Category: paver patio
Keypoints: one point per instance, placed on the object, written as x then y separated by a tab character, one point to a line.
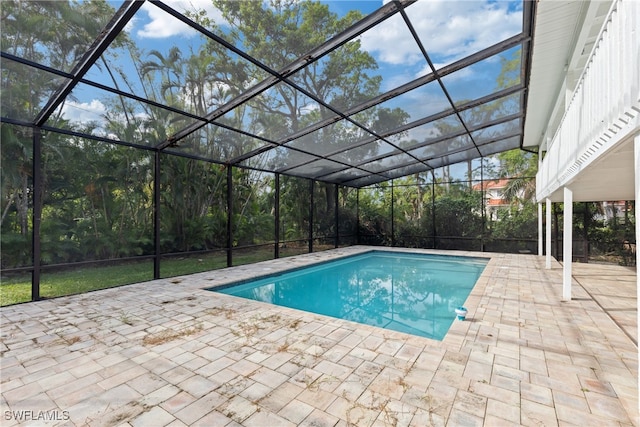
168	352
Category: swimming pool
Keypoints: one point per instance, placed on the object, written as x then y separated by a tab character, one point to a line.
407	292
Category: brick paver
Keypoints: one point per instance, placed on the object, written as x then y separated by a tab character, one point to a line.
170	352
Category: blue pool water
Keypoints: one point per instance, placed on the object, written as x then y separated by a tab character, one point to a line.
407	292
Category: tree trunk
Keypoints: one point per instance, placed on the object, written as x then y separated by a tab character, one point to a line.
23	206
330	195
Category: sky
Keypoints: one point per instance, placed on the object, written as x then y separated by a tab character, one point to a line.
455	28
450	29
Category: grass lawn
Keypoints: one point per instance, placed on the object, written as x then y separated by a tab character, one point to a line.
83	279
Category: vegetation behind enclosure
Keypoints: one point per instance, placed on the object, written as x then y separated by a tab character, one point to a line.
103	211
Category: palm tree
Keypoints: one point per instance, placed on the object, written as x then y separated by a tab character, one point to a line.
521	167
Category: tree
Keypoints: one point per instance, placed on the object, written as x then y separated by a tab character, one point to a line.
278	33
55	34
294	207
522	166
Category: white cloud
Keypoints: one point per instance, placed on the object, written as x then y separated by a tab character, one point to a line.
95	112
449	30
391	45
163	25
83	112
309	108
397	78
131	24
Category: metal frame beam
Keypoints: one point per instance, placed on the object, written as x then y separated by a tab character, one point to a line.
458	65
156	215
276	76
276	204
337	216
113	28
528	18
229	216
311	202
126	12
409	126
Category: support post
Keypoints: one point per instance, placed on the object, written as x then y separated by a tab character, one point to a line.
36	254
156	214
433	209
337	217
540	225
483	209
229	216
556	229
311	190
276	206
548	234
567	244
393	233
585	245
358	216
637	215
